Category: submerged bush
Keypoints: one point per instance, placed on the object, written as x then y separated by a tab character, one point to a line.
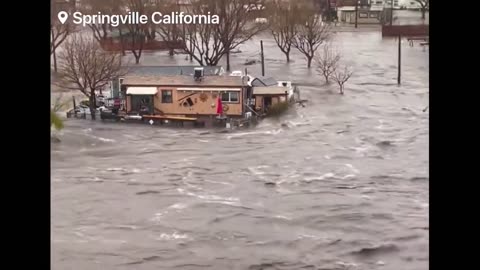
277	109
55	121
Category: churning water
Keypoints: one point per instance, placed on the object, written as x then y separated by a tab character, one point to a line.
339	184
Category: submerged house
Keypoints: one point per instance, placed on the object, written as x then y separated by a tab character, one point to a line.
117	85
361	11
188	95
266	91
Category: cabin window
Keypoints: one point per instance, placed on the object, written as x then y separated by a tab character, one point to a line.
363	15
167	96
230	97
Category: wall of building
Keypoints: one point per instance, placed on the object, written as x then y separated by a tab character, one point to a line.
200	106
275	100
364	17
128	104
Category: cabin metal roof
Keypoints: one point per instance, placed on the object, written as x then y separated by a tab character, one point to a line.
183	80
263	81
269	90
173	70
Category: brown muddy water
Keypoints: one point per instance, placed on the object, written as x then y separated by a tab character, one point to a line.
343	185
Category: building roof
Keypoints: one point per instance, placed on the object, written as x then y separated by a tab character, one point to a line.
263	81
183	80
142	91
269	90
172	70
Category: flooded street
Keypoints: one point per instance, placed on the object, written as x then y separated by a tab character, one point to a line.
339	184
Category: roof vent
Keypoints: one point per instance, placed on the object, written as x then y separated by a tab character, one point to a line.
198	74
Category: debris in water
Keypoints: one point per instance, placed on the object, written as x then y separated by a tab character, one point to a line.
147	192
336	241
54	139
385	143
270	184
371	251
346	187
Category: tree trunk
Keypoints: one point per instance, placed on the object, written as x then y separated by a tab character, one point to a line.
122	41
105	31
341	89
93	105
171	52
287	54
228	60
309	61
424	10
137	58
152	34
326	78
54	60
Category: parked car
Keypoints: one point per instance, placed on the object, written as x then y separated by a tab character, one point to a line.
80	111
100	100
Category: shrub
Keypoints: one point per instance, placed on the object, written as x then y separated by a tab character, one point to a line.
55	121
277	109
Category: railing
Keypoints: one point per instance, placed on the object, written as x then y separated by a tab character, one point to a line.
405	30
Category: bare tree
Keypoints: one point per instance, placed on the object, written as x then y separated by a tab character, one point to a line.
311	32
424	5
104	32
109	7
58	34
137	31
327	62
87	68
237	23
341	76
58	31
203	44
171	34
208	43
202	41
282	22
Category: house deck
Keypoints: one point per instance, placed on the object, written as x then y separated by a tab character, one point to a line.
166	117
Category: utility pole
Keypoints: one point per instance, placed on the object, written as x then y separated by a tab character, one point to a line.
224	11
263	60
329	17
191	48
391	13
399	58
356	13
74	106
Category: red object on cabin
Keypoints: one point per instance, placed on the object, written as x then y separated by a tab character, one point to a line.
219	106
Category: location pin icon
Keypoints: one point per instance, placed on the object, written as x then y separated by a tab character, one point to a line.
62	16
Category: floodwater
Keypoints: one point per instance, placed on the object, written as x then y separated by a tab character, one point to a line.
342	184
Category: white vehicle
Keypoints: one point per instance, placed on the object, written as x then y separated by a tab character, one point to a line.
254	7
261	20
236	73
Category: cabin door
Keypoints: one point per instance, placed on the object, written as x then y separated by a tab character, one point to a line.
267	102
142	104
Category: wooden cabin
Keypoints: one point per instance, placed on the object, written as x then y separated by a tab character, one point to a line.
267	96
184	95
